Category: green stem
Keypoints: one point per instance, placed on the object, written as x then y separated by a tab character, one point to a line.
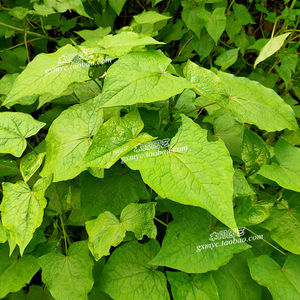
28	32
18	45
266	241
230	5
160	221
97	83
284	25
64	233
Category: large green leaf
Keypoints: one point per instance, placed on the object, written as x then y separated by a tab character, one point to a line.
119	187
15	272
193	171
22	209
114	139
287	171
49	73
129	275
140	77
246	99
283	282
107	230
284	223
15	127
192	287
69	138
68	277
234	281
188	245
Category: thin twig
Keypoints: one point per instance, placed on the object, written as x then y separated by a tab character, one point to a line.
28	32
64	233
160	221
185	44
266	241
18	45
26	46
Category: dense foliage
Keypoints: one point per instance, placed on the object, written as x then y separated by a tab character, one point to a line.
149	149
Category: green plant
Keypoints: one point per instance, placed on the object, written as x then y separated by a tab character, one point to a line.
149	150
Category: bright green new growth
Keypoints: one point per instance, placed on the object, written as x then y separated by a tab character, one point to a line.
114	139
107	230
49	73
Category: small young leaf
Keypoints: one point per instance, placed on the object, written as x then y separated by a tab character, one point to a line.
32	161
227	58
287	172
104	232
117	5
254	151
107	230
114	139
150	17
273	45
15	127
216	23
138	218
